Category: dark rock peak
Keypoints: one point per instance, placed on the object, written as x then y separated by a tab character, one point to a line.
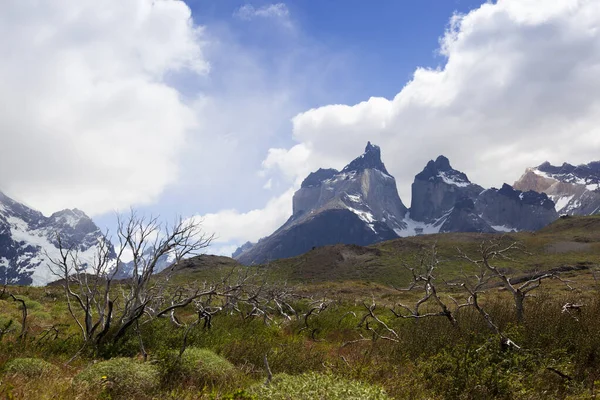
441	165
530	197
370	159
589	172
241	249
465	204
314	179
548	168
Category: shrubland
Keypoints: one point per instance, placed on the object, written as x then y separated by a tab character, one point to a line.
444	327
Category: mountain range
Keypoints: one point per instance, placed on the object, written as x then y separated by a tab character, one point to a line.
358	204
574	189
27	238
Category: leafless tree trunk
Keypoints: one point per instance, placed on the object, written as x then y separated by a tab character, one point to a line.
423	278
23	333
91	291
489	251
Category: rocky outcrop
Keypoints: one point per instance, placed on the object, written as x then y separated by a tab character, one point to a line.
445	200
333	226
508	209
26	236
575	190
360	205
437	188
464	218
246	246
357	205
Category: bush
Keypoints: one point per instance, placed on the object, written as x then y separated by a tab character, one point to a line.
121	377
11	324
197	367
311	386
29	367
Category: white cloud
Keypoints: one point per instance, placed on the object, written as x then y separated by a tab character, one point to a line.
277	11
520	85
233	227
88	117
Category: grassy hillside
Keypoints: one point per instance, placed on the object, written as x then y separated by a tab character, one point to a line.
574	241
336	336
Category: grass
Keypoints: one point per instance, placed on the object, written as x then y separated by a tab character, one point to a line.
312	385
573	241
120	377
335	353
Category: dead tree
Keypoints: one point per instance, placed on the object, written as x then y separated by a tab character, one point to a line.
23	332
105	311
423	279
493	250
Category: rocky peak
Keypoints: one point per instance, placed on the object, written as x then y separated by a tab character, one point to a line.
436	190
441	170
73	218
315	179
371	158
27	236
246	246
583	174
529	198
575	190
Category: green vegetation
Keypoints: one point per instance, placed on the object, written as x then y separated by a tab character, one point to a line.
331	332
197	367
313	385
29	367
122	377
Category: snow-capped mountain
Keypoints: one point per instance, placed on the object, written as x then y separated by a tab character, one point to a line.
360	205
357	205
445	200
26	235
437	188
574	189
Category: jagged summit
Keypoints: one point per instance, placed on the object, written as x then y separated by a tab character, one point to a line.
441	170
315	179
371	158
437	188
26	236
527	197
575	190
583	174
358	205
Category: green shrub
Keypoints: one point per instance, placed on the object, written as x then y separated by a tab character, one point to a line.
124	377
29	367
311	386
197	367
10	324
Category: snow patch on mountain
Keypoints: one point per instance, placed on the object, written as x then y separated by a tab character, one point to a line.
28	240
503	228
453	180
561	202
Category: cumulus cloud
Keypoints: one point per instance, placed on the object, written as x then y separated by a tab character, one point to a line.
88	117
233	227
520	85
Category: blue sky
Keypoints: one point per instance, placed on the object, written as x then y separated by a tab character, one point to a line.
357	50
217	109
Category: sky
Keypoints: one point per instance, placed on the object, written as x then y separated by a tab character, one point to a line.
218	109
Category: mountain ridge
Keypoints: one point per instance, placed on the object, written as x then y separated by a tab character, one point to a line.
26	236
443	200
